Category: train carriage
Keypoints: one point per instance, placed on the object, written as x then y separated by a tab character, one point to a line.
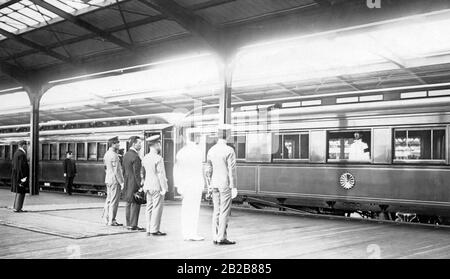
88	145
296	153
299	154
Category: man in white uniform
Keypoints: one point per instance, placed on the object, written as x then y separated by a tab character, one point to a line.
221	172
155	186
188	178
359	150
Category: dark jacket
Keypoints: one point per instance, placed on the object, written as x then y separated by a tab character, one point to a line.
132	174
20	170
70	168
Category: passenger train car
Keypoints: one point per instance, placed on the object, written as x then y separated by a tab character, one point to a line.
88	142
297	152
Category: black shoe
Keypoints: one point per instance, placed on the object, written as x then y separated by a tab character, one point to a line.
19	211
136	228
158	233
115	224
215	242
226	242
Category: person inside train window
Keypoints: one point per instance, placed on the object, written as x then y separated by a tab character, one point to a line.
359	150
352	146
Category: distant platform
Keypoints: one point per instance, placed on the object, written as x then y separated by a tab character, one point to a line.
61	226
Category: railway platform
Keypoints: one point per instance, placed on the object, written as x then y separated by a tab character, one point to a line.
60	226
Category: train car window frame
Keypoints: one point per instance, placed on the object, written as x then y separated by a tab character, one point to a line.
78	156
62	151
432	130
54	156
88	155
237	148
2	152
45	152
298	146
367	138
100	156
8	152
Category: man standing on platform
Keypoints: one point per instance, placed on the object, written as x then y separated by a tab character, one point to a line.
19	176
70	170
188	178
114	182
132	169
221	174
155	186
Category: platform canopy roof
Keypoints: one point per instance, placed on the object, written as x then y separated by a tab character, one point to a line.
283	48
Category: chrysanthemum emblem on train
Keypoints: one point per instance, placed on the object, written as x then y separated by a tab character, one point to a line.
347	181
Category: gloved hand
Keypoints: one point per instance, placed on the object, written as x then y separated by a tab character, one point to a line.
23	179
234	193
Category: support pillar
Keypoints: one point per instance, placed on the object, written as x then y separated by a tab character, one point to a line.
35	94
226	73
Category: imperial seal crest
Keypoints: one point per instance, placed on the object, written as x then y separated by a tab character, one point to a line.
347	181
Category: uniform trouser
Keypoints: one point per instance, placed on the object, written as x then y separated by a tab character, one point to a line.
112	201
69	184
190	210
153	210
132	210
222	209
18	202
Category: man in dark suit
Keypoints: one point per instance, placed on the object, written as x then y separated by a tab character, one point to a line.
70	170
19	175
132	174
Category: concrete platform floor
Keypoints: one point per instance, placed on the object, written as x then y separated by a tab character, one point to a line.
80	234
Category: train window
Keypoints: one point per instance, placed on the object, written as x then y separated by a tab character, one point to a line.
7	152
101	150
71	147
45	151
92	151
14	148
53	151
238	144
62	151
424	144
349	146
291	146
80	151
2	151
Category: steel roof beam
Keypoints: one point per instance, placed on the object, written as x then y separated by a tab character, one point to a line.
188	20
35	46
83	24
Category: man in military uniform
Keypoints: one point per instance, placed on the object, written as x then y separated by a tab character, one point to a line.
155	186
221	176
113	180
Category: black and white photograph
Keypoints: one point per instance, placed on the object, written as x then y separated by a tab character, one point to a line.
221	135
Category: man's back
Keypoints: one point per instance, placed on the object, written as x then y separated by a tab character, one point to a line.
155	175
221	161
113	168
188	170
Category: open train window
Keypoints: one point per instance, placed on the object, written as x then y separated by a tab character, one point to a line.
291	146
71	147
415	145
45	151
92	151
101	150
354	146
2	152
81	151
14	148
